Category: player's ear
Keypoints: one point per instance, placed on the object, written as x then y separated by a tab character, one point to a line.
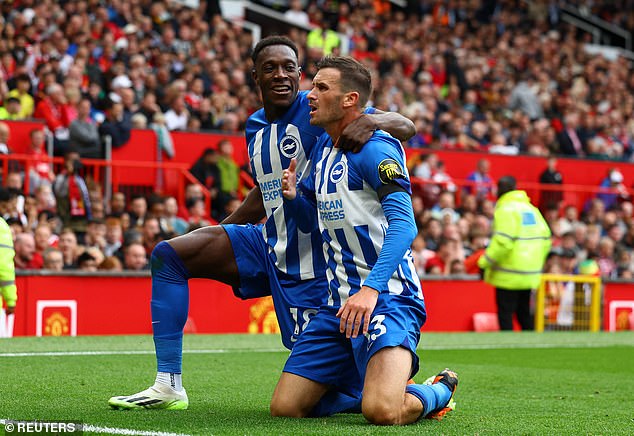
350	98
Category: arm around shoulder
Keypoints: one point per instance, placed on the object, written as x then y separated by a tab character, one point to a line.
358	132
397	125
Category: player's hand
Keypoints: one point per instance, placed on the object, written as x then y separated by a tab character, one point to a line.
357	309
10	310
356	134
289	181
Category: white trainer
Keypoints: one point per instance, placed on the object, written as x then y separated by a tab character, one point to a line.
158	396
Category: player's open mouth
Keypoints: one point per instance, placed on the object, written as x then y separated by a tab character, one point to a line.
282	90
313	109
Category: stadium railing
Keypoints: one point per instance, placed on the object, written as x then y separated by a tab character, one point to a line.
568	194
170	178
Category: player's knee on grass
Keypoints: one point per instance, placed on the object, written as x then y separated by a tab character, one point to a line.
283	407
380	412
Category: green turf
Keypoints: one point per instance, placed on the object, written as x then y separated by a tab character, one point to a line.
510	383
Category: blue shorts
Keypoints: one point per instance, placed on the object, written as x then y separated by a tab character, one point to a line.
324	355
295	301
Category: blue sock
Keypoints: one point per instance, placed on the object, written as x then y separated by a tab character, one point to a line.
170	304
336	402
433	397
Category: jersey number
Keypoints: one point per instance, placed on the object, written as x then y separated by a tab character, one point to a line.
306	315
377	322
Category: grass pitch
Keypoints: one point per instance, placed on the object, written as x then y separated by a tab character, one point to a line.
510	383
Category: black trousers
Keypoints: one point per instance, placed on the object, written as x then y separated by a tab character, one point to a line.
516	302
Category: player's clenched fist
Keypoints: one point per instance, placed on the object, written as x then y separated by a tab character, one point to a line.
289	181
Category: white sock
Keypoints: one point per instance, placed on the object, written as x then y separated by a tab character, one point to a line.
173	380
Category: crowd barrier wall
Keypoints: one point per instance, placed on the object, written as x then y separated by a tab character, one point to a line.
143	147
587	172
189	147
81	304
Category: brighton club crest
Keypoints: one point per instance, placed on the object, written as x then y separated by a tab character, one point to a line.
289	146
338	172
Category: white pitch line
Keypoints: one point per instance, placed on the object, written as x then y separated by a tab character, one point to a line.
110	430
133	352
127	431
275	350
516	346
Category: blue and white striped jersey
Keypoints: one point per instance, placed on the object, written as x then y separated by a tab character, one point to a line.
348	188
271	146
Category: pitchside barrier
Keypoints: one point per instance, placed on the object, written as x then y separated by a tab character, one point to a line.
80	303
568	302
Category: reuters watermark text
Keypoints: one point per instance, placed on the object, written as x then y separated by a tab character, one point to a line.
43	427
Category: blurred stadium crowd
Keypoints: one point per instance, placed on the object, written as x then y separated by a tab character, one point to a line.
507	77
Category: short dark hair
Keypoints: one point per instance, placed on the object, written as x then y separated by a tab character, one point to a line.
4	194
506	184
191	202
136	196
96	221
70	152
444	240
273	40
154	199
568	253
85	257
354	75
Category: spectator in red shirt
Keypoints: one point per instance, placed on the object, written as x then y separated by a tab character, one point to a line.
195	94
53	108
40	172
440	263
479	242
25	255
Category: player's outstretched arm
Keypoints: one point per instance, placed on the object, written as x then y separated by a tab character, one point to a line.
358	132
250	211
